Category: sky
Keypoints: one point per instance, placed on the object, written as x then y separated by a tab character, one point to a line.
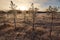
41	4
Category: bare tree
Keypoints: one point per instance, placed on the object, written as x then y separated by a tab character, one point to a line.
52	10
13	7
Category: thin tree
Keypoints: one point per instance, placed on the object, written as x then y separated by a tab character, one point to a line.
53	11
13	7
33	25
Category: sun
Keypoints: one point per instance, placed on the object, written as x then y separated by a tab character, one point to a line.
22	8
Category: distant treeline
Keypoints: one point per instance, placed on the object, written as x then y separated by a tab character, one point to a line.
18	11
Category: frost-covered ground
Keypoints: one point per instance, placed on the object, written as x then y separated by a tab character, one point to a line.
23	29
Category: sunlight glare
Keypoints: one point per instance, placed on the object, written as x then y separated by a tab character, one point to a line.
23	8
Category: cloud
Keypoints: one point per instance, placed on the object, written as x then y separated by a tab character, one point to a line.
45	1
4	4
25	1
40	1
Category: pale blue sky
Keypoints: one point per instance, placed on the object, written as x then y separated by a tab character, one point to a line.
41	4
